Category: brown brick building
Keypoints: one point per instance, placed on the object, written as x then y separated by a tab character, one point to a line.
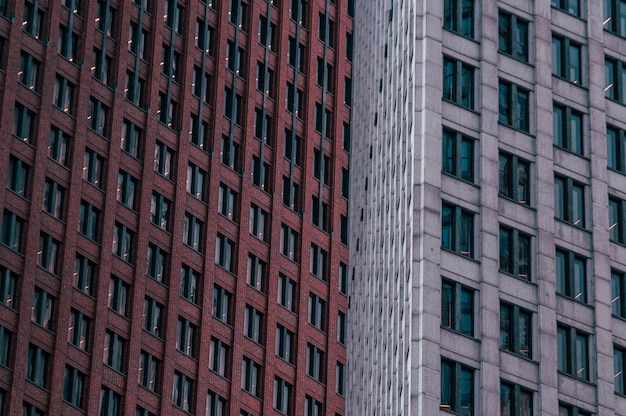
174	221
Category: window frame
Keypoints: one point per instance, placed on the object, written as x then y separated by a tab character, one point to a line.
454	374
460	218
563	52
568	283
458	155
455	313
456	75
455	17
514	178
569	359
566	194
515	253
513	111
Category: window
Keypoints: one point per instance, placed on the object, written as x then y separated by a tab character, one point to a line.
28	74
33	20
135	88
149	371
221	304
238	14
99	117
225	252
118	295
569	201
88	221
250	376
201	85
569	410
513	35
458	155
617	226
199	133
615	87
327	30
78	331
195	181
168	111
317	311
343	228
182	391
38	366
42	310
267	33
566	59
102	67
319	262
48	254
515	253
514	178
295	100
123	242
163	160
6	342
152	316
93	168
572	352
315	362
204	37
259	223
282	396
457	230
235	58
216	405
285	343
569	6
173	16
27	408
515	330
170	62
341	379
260	174
458	16
263	126
349	46
106	18
513	106
325	76
137	40
321	166
616	144
8	288
113	350
58	146
291	194
157	263
24	123
186	337
320	213
515	400
160	211
257	273
192	232
253	324
218	357
323	121
618	293
110	402
571	275
458	83
568	129
17	176
74	387
313	407
457	307
189	279
233	105
286	292
289	243
615	17
298	11
457	387
228	202
63	96
143	412
230	153
293	147
12	227
343	278
53	198
297	53
619	365
347	92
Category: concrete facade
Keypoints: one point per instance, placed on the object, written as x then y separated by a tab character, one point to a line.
424	216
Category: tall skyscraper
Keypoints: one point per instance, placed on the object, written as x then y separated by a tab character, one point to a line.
488	209
174	206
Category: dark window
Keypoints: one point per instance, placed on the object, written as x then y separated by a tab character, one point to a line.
615	16
257	273
572	352
457	387
28	74
325	75
282	396
164	160
291	194
173	15
225	252
515	400
258	224
267	33
143	412
315	362
204	37
123	242
297	54
168	111
201	86
49	253
53	198
458	155
345	183
617	226
569	410
514	178
99	117
78	330
250	377
38	366
231	155
221	304
343	278
458	82
341	379
12	227
618	293
457	230
137	41
8	288
285	343
199	133
58	146
88	221
6	347
327	31
43	308
196	178
289	243
186	334
93	168
235	58
33	21
218	357
238	14
323	120
619	365
513	106
182	392
295	100
63	96
321	166
616	149
253	325
189	281
149	376
568	129
157	263
106	18
110	402
319	262
569	201
113	350
515	257
102	67
293	147
313	407
513	35
74	387
27	408
263	126
261	174
566	59
135	88
17	176
571	275
298	11
341	327
233	109
458	16
216	405
569	6
457	307
131	138
118	296
152	316
286	292
24	123
160	211
170	62
317	311
515	330
228	202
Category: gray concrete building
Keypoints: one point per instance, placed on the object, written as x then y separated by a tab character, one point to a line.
488	208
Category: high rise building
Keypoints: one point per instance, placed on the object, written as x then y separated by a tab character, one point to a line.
488	209
174	206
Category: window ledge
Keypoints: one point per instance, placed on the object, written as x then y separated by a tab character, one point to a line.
562	221
520	356
584	87
571	299
472	110
568	13
472	259
573	377
530	282
527	133
450	175
507	198
454	331
515	58
476	41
